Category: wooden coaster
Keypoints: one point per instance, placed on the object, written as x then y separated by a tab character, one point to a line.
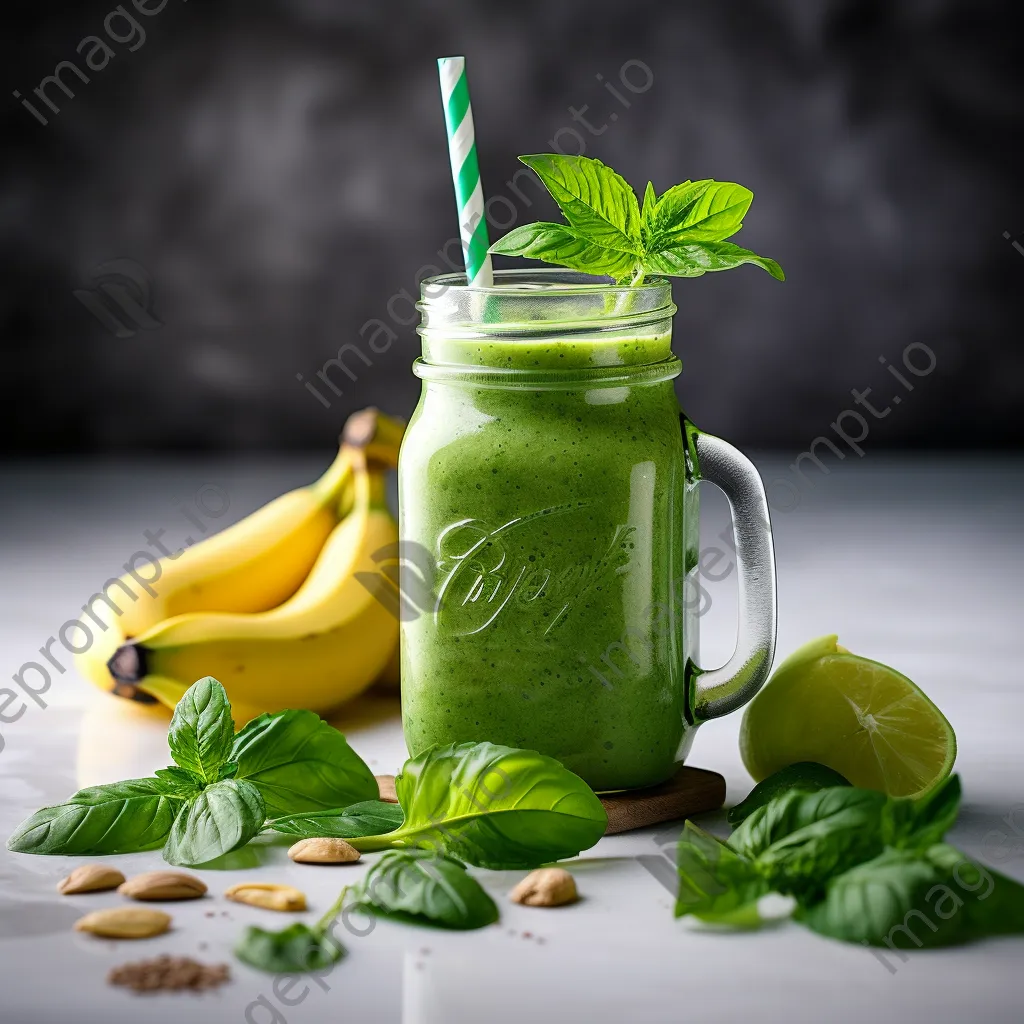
386	785
689	791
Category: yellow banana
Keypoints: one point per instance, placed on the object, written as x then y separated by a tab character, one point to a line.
252	566
324	645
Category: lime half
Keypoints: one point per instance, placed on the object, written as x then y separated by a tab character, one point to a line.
862	719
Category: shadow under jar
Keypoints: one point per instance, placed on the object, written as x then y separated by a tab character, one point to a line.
549	525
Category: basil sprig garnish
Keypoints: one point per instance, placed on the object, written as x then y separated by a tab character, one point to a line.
681	233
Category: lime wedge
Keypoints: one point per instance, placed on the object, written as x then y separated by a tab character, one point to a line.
860	718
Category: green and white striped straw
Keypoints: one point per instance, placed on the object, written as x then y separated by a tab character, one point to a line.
469	193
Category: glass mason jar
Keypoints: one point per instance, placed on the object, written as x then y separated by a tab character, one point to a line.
549	525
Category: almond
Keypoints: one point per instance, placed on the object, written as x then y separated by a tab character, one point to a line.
267	895
323	851
125	923
163	885
90	878
545	887
386	786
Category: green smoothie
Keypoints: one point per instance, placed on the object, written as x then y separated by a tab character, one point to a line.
551	496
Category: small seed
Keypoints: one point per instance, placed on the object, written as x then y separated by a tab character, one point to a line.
163	885
267	895
125	923
545	887
323	851
90	878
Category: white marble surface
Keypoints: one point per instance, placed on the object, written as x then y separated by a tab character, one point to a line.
916	563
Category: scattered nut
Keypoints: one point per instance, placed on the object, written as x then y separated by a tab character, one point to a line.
386	785
545	887
267	895
90	878
125	923
163	885
323	851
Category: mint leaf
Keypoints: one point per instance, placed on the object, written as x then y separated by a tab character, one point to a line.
124	817
430	888
559	244
221	818
692	259
716	883
202	729
596	201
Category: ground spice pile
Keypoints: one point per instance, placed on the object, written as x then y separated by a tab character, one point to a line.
169	974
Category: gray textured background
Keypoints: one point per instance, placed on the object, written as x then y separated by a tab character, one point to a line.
279	170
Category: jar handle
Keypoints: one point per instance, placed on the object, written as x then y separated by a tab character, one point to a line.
716	692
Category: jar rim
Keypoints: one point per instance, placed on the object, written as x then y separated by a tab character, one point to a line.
531	304
553	280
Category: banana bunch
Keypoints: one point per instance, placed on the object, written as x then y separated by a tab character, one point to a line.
272	606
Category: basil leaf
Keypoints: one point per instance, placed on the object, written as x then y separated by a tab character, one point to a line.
596	201
125	817
715	882
179	781
874	901
994	904
223	817
369	818
493	806
647	215
202	729
905	899
429	888
800	839
919	822
692	259
698	211
557	243
807	776
293	950
300	763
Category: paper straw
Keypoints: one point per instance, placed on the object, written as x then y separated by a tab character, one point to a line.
469	193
